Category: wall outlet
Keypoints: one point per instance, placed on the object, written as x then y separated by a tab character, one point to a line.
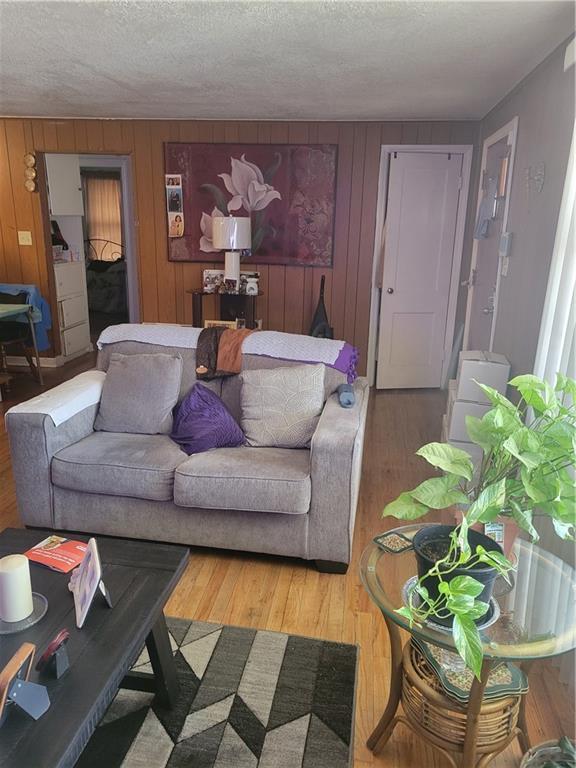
24	237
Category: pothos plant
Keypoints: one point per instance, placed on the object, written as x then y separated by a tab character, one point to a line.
529	456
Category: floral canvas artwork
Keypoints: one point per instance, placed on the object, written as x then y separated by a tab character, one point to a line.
287	190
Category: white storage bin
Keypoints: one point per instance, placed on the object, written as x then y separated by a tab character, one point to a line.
457	418
487	368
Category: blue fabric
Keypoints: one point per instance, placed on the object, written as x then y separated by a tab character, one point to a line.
40	312
202	422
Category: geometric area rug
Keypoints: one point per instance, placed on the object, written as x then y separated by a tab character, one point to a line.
248	699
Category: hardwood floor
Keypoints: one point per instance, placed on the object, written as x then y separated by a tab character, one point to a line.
289	596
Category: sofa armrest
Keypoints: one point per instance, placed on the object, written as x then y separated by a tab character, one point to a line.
39	428
336	465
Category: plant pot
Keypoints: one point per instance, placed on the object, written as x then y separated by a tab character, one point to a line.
511	530
439	536
538	756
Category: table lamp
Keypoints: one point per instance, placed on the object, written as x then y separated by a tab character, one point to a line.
231	234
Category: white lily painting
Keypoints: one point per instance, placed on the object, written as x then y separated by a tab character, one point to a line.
250	195
287	190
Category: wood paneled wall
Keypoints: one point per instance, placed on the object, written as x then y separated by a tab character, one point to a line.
290	293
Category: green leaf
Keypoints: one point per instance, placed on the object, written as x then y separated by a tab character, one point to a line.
481	433
462	539
460	604
496	559
450	459
525	446
536	392
502	421
218	195
524	519
407	614
468	643
478	610
405	508
566	385
490	500
465	585
565	531
439	492
495	397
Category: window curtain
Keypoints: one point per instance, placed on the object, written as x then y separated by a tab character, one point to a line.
103	217
556	353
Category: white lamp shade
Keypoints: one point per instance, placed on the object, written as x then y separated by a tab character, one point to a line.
231	233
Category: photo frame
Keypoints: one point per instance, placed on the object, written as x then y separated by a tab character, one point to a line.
231	324
85	581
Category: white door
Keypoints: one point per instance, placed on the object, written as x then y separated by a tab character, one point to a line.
423	196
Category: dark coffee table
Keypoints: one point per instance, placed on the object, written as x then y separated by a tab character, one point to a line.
140	577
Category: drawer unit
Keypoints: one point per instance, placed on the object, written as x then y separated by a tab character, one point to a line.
70	279
76	339
73	311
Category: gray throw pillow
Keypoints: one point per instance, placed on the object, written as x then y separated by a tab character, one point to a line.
281	406
139	394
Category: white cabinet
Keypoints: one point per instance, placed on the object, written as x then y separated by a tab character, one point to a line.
70	279
64	185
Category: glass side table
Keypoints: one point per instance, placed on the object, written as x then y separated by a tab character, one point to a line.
536	620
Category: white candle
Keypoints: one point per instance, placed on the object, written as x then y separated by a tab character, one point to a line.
15	588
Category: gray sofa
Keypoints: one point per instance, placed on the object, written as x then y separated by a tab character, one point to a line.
299	503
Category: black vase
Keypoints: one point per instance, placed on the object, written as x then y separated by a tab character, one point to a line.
483	573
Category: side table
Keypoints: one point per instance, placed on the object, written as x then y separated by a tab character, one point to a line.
529	628
232	305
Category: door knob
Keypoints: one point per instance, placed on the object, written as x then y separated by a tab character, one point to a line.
488	310
389	290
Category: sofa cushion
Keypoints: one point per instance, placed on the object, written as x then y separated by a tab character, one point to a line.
139	394
281	407
202	422
119	464
251	479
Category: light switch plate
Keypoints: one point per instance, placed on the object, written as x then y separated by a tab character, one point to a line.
24	237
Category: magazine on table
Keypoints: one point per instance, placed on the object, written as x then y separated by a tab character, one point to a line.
58	553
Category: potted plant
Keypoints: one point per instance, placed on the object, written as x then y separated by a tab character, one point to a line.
528	449
551	754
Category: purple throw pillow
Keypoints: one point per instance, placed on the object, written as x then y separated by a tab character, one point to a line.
202	422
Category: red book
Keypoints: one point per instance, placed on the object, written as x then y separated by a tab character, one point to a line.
58	553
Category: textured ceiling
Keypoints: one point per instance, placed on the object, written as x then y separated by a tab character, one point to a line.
270	59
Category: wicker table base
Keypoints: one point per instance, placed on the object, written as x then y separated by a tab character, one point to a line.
467	736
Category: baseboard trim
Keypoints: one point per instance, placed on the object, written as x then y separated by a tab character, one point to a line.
49	362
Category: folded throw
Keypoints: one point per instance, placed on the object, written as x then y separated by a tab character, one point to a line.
230	350
207	353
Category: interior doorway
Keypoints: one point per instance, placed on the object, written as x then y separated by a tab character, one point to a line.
92	253
492	241
421	211
108	245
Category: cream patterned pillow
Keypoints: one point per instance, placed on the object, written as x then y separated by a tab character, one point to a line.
281	406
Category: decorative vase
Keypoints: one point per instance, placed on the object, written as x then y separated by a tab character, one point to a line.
431	543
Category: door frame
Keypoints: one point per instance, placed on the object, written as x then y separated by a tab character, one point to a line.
123	162
510	131
466	150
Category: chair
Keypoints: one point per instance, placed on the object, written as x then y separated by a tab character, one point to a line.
15	334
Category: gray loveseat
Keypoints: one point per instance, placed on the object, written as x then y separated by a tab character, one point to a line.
299	503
